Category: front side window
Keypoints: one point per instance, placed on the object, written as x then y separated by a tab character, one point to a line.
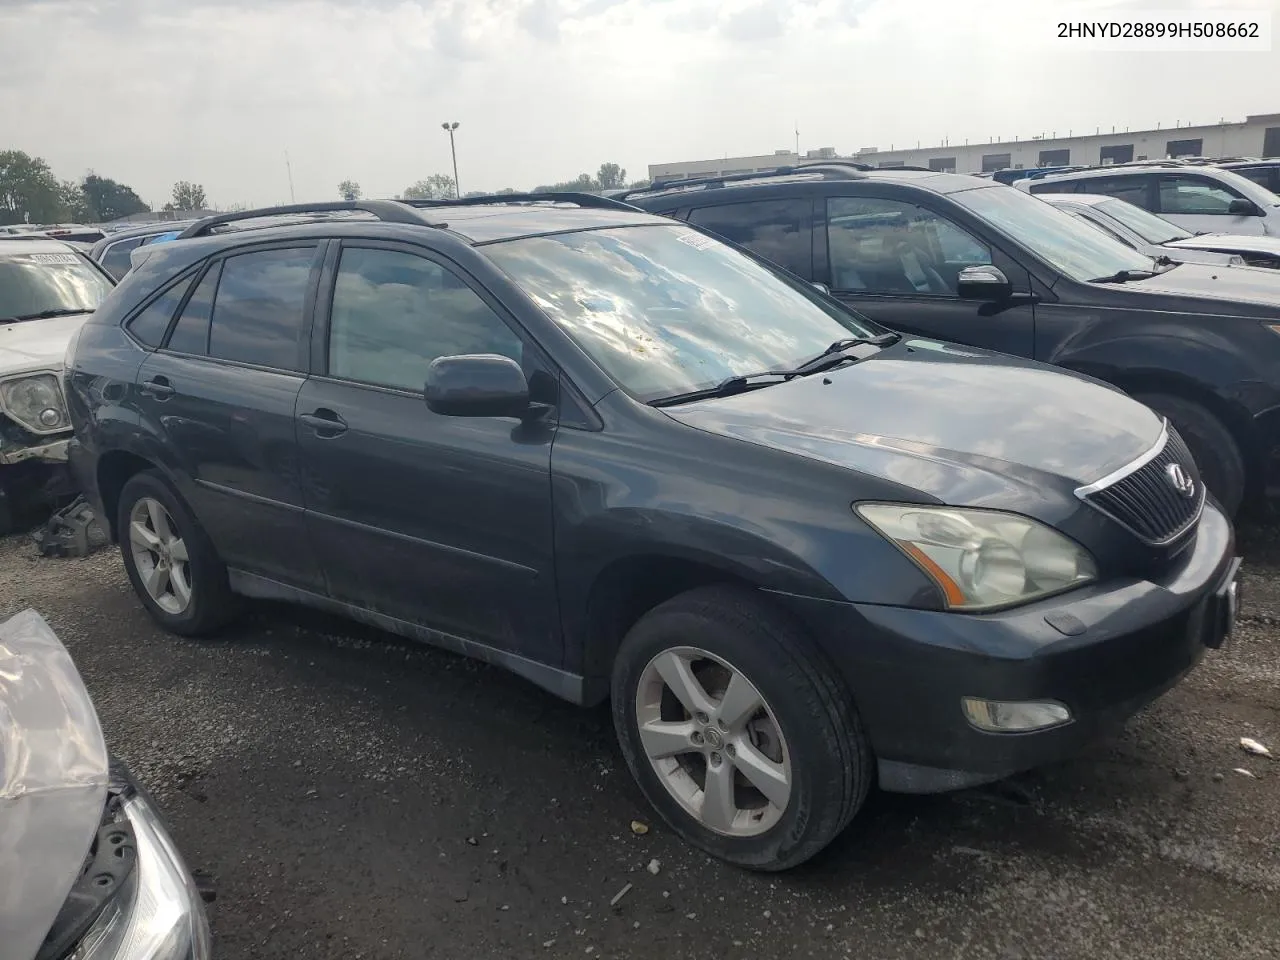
1151	228
259	305
889	246
34	285
393	313
666	310
1194	195
1076	249
778	230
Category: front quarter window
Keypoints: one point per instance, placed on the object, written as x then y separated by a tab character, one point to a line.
666	310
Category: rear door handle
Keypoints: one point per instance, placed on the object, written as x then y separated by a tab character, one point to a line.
326	423
158	387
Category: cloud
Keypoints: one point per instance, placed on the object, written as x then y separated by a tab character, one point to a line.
764	20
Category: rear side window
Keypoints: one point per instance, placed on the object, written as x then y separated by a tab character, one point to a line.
115	259
778	230
149	326
1133	190
191	334
259	305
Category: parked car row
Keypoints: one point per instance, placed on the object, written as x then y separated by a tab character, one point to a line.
802	552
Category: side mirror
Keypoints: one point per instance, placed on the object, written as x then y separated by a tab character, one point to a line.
983	283
1241	207
822	288
476	385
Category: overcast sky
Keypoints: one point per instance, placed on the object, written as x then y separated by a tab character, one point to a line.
215	91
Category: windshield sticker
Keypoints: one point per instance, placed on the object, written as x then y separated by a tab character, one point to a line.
936	347
51	258
698	241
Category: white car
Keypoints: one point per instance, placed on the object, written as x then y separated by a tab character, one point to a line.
1158	237
1202	199
47	290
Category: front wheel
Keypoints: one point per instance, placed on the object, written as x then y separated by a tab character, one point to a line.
1212	447
738	731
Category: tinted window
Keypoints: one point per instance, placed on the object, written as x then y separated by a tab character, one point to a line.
888	246
777	230
1129	189
1259	175
150	325
393	313
1192	195
115	259
258	310
665	310
191	334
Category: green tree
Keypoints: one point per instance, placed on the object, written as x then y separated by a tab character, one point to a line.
188	196
438	186
75	205
611	176
29	192
349	190
108	200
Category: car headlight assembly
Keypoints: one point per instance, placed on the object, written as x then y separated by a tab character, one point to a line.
160	916
982	559
35	402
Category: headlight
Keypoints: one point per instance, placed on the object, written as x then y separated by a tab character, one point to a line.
982	559
160	916
35	402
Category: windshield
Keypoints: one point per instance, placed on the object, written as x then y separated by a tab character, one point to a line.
666	310
1078	250
1151	228
38	284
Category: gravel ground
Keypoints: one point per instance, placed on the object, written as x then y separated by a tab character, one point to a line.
353	796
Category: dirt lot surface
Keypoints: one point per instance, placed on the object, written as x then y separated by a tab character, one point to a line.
354	796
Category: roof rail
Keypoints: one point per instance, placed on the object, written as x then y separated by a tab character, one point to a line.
388	211
847	170
592	200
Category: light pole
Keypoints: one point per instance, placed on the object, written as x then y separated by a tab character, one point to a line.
449	128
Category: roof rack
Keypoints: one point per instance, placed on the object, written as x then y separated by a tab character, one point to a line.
388	211
591	200
847	170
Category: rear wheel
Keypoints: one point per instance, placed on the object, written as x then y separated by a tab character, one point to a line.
1214	449
738	730
170	560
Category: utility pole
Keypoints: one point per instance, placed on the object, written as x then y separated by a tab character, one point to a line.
796	123
289	168
449	128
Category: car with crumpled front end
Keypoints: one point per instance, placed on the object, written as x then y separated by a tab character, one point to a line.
801	555
47	289
89	869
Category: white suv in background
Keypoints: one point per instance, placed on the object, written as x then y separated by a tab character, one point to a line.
1201	199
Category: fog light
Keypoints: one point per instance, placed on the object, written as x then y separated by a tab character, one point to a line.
999	716
50	417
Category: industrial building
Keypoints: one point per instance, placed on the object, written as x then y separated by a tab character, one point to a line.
1256	136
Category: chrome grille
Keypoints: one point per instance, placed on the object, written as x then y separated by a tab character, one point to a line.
1146	500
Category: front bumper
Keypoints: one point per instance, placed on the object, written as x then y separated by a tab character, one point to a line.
1116	647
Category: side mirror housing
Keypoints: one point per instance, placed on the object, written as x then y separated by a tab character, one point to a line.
1242	207
476	385
983	283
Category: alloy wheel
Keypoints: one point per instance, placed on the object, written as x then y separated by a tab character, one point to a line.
713	741
160	556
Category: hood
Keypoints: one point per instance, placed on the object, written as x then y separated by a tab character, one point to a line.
37	344
53	780
967	427
1214	290
1230	243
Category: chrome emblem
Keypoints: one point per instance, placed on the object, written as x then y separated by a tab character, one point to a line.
1180	480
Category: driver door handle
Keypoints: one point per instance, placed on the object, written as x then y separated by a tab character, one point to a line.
158	387
325	422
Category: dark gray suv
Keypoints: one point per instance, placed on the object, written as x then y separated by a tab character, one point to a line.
801	555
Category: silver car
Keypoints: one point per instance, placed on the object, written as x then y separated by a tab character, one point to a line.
1158	237
87	868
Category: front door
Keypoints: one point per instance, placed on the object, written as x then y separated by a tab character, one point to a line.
441	521
898	263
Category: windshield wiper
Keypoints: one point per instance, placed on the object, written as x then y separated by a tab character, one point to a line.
1124	276
43	315
828	358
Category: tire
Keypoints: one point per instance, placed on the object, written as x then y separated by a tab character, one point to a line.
210	603
1214	449
821	742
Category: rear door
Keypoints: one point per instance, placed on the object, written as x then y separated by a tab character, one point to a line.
898	260
220	394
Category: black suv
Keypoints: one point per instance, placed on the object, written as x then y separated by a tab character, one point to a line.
800	554
968	260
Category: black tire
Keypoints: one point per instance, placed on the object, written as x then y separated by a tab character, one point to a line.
1214	449
831	762
212	603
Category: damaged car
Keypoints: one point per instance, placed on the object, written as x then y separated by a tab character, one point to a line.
47	289
89	871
